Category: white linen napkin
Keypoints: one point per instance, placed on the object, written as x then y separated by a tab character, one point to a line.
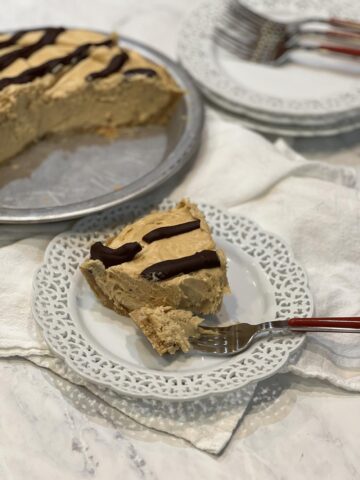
313	206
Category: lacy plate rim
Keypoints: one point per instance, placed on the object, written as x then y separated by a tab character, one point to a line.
182	375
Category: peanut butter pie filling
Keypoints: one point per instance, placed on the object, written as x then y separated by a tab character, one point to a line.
159	269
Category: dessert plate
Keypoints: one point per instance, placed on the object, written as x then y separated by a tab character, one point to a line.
296	92
266	281
66	177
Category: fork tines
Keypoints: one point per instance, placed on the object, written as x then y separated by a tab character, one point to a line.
248	34
239	11
215	343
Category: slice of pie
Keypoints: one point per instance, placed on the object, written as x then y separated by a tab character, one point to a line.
58	80
167	329
165	259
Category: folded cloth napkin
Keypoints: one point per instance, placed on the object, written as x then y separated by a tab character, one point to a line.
312	205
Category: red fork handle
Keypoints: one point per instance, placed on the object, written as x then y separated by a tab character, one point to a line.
324	322
337	22
354	52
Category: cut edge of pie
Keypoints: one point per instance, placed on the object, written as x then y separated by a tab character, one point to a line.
167	329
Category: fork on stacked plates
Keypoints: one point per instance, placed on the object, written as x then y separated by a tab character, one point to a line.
257	38
234	53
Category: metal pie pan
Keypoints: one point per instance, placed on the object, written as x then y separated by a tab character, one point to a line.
37	195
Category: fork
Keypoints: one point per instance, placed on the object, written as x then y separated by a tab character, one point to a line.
238	338
258	39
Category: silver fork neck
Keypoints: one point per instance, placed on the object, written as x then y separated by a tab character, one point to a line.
276	325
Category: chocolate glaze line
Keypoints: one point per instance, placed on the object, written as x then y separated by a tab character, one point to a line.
171	231
72	58
49	37
114	256
115	64
19	34
148	72
13	39
171	268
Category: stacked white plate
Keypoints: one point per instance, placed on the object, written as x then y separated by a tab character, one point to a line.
313	95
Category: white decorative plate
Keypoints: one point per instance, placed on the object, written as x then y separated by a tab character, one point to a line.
291	91
266	282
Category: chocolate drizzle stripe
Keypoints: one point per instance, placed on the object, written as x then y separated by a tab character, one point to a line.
50	66
147	72
49	37
14	38
19	34
114	256
171	231
115	64
171	268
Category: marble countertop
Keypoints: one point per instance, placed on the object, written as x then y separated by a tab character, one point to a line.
303	429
